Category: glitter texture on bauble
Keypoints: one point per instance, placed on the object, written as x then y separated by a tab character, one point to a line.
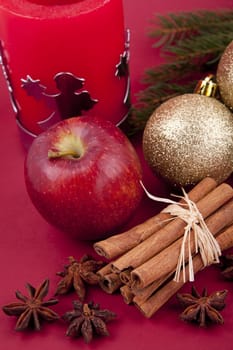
224	76
190	137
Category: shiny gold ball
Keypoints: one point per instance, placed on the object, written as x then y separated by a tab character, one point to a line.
224	76
188	138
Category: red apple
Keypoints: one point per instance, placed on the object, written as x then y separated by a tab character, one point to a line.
83	176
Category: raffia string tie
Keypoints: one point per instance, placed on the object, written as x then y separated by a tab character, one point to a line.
204	241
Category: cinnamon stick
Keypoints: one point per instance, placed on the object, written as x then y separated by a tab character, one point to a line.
141	295
125	277
172	231
127	294
119	244
165	262
159	298
104	270
108	280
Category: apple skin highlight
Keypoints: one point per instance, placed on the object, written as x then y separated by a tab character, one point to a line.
83	176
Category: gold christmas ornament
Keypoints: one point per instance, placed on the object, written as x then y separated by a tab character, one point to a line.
224	76
190	137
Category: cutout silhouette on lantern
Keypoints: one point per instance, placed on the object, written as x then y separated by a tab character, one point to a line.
69	102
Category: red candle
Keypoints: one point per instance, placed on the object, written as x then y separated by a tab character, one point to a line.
63	58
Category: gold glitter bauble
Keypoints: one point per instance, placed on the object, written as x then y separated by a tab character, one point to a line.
188	138
224	76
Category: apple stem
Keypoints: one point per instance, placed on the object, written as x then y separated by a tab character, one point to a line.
67	146
61	154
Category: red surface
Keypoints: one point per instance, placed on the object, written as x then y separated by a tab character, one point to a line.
31	250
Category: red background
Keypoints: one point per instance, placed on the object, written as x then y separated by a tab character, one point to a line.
31	250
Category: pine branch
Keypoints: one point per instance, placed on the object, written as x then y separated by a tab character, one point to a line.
204	45
192	44
174	27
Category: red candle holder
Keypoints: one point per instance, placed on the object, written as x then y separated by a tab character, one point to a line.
64	58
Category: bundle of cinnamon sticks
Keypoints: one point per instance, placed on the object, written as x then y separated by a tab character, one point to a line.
143	260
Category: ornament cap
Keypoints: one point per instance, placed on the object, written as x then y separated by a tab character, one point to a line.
207	86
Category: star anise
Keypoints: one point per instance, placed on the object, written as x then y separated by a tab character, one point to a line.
202	308
87	320
32	309
77	274
226	265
